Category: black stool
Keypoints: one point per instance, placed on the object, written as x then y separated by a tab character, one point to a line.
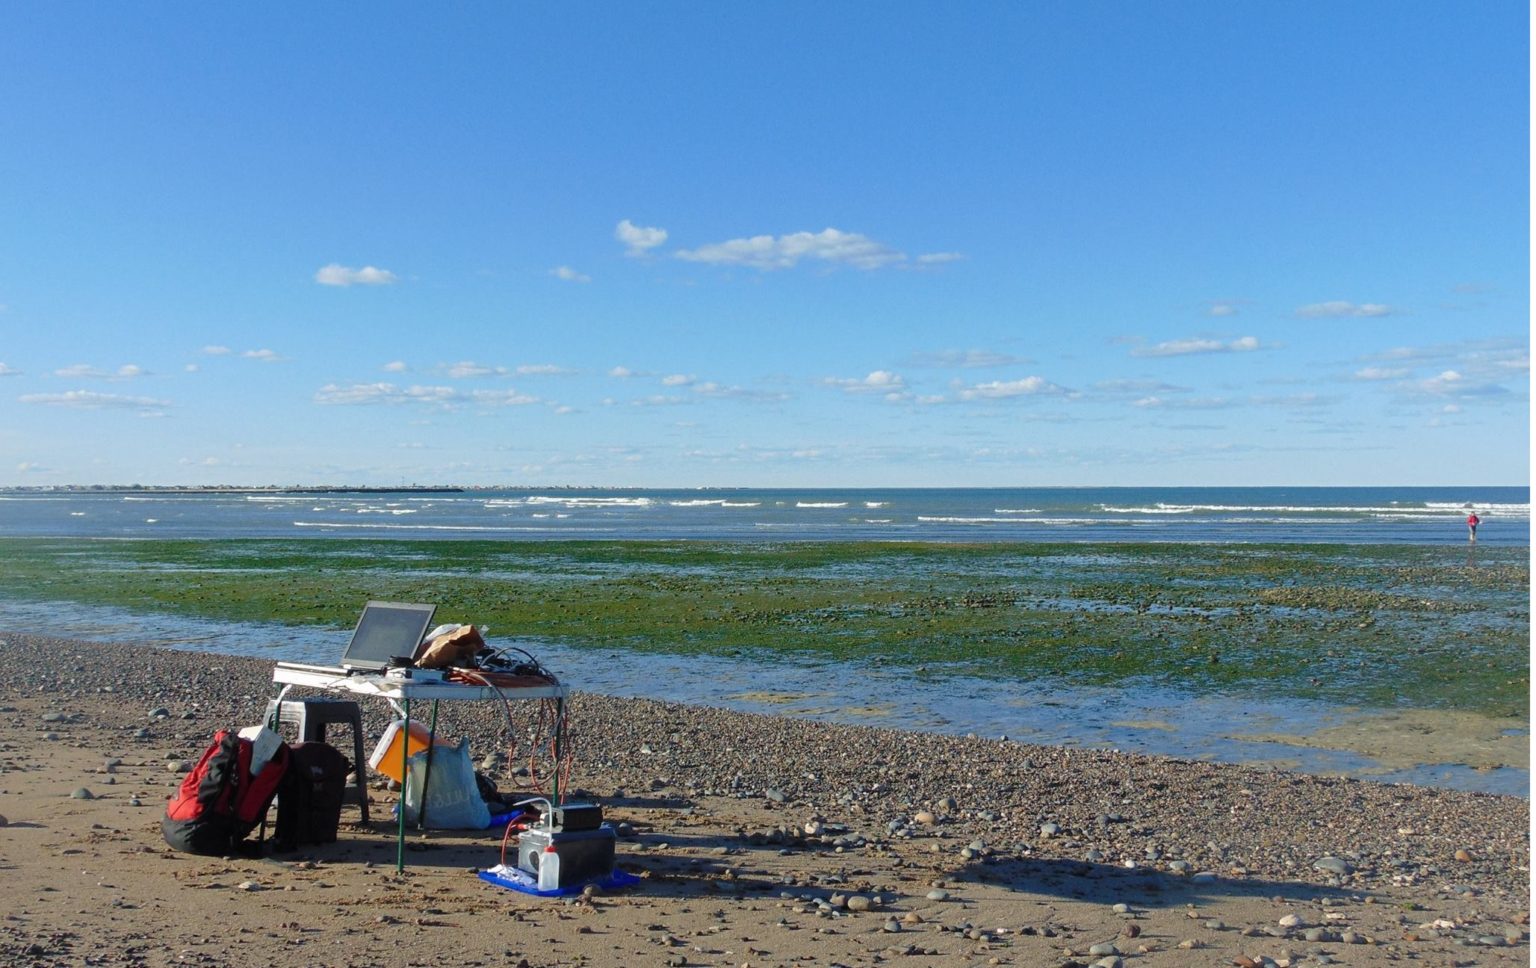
310	715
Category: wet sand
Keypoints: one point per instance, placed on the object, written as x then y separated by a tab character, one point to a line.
759	840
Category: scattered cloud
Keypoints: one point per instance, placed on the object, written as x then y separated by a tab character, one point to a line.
1189	347
467	369
90	400
1451	383
638	240
567	274
1183	403
720	391
676	380
879	381
622	372
1339	307
397	366
262	356
336	274
1222	307
967	359
216	351
366	394
543	369
84	371
32	467
938	258
7	370
1143	387
769	252
1373	373
1029	386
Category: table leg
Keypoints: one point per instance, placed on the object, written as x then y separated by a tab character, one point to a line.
405	766
554	784
426	774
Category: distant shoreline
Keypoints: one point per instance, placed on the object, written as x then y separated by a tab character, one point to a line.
233	489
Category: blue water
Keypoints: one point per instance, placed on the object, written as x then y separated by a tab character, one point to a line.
1351	515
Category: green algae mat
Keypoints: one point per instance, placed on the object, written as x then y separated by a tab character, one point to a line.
1381	626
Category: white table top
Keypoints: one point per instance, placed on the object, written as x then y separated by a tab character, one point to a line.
385	687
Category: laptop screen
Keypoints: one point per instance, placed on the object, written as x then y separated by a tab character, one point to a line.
386	630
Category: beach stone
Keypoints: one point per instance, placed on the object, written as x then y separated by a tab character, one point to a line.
1317	934
253	886
1463	855
891	926
1046	829
60	718
132	802
924	817
1104	948
947	805
1121	908
1113	961
182	766
856	903
160	712
937	894
51	737
82	793
1333	865
141	733
1292	921
3	821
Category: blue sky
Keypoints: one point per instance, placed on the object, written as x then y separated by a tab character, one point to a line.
677	244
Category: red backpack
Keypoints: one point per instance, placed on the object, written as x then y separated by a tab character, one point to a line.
220	802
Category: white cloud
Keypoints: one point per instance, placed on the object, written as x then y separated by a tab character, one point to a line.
32	467
1188	403
90	400
1371	373
938	258
721	391
567	274
543	369
80	371
621	372
262	356
216	351
467	369
398	366
967	359
130	370
1138	386
676	380
1187	347
503	398
336	274
786	251
1339	307
1003	389
389	394
7	370
1222	308
638	240
879	381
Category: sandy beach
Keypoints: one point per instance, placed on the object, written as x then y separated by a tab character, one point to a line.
758	841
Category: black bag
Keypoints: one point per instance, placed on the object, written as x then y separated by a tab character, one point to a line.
309	799
221	801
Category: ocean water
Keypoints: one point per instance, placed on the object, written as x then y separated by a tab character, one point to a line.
1355	515
1143	718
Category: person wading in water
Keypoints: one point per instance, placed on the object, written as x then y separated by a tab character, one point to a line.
1472	522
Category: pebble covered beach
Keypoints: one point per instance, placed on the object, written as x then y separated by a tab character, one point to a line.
759	840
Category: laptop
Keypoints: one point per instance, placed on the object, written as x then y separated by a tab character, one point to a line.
385	632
